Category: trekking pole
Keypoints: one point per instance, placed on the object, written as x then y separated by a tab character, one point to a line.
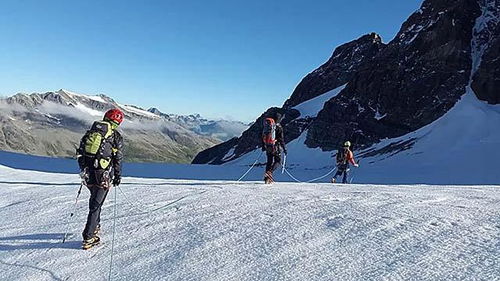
251	167
72	213
284	164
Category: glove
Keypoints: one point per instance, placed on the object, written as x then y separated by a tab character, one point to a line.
117	180
84	174
356	165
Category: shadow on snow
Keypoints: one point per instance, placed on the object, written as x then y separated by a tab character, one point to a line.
37	241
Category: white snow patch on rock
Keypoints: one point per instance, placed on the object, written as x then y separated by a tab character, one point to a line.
312	107
229	155
379	116
139	111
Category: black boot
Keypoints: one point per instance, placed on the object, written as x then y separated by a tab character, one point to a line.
91	242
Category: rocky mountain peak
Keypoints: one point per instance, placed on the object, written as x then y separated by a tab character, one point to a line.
52	123
155	110
391	89
416	79
24	100
59	97
345	61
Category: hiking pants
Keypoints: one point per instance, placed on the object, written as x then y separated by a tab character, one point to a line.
273	159
340	172
97	197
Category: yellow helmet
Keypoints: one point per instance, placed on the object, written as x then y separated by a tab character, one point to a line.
347	144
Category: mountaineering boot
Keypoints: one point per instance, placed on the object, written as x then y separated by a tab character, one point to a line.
91	242
268	178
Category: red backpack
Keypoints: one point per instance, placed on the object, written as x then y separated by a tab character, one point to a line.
269	131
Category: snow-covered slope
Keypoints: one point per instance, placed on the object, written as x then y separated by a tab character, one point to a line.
459	148
453	137
198	230
391	90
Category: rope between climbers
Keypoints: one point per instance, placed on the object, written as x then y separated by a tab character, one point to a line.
310	181
291	176
251	167
324	176
130	202
113	239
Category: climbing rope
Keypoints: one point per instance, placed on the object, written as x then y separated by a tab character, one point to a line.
312	180
130	202
318	178
324	176
146	212
113	238
291	176
251	167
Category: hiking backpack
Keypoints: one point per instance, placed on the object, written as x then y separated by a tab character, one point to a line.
269	131
97	145
342	156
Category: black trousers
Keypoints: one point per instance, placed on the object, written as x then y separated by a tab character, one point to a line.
97	197
342	170
273	158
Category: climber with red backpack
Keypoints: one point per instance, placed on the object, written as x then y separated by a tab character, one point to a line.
99	157
344	157
273	143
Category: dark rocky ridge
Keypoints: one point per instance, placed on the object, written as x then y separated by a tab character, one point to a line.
345	61
486	81
338	70
249	140
396	89
417	78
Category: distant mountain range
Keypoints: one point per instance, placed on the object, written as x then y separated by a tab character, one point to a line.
52	124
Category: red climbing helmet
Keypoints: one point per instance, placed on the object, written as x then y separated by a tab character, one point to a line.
114	115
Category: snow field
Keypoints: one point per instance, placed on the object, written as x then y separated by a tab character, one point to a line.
223	230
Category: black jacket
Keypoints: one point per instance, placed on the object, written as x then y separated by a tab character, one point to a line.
118	153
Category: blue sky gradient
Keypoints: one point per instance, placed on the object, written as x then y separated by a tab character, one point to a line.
222	59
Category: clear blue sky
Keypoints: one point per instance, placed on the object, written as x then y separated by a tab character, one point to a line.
218	58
